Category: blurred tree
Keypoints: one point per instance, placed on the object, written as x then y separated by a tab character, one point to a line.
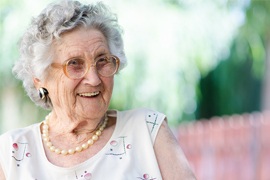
172	50
241	83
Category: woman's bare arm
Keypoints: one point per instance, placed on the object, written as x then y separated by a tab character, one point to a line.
171	159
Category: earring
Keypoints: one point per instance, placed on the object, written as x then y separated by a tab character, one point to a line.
43	93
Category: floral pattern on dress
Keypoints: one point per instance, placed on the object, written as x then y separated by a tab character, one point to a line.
83	176
119	147
151	120
20	152
146	177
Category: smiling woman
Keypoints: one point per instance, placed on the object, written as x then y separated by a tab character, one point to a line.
68	58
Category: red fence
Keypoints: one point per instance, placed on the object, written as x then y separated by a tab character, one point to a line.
232	148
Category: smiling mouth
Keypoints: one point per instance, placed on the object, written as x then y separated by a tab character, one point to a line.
92	94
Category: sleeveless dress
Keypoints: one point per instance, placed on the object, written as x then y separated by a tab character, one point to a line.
128	155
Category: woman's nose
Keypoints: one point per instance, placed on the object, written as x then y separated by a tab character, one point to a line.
92	77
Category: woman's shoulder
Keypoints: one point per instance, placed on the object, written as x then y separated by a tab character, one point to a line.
141	118
144	112
20	132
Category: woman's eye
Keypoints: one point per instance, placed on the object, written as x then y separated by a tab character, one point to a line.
102	61
75	62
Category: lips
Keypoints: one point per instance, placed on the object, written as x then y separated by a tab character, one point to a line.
89	94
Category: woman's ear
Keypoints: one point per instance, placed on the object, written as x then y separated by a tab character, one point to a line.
37	83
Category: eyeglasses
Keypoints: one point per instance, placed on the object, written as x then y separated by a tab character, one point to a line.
106	66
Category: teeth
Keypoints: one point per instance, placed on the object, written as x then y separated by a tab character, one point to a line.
89	94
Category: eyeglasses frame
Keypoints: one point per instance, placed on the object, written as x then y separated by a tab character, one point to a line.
64	67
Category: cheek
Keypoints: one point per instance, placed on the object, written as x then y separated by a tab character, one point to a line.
59	87
109	83
109	89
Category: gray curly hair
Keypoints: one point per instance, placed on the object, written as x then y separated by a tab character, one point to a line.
35	47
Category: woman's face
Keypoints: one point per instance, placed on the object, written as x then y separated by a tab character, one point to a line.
88	97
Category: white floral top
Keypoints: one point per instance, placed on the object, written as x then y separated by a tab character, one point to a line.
128	155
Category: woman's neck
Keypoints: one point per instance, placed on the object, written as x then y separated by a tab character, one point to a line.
70	125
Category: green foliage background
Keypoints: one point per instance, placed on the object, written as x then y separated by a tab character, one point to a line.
236	84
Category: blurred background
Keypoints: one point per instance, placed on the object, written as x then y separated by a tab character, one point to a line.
204	63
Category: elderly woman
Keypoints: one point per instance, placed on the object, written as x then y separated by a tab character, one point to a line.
68	58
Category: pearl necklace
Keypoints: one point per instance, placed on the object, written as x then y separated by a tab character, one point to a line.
90	142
